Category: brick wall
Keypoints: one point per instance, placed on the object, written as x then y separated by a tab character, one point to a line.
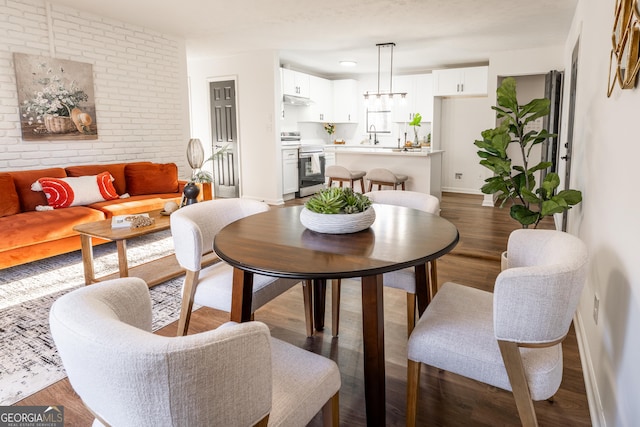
140	84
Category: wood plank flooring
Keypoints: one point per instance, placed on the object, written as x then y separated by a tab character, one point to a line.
445	399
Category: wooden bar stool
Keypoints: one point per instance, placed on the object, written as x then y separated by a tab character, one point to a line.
342	174
381	176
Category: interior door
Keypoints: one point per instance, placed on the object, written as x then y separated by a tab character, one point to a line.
572	110
553	92
224	130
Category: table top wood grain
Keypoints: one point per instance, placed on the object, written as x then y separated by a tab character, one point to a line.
275	243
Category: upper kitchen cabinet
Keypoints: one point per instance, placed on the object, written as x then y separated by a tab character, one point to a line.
295	83
471	81
321	95
419	99
345	101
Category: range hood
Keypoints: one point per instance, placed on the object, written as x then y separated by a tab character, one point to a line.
296	100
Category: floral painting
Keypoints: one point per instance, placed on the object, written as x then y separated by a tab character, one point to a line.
56	98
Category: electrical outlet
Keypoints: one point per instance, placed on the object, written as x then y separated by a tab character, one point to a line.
596	308
458	175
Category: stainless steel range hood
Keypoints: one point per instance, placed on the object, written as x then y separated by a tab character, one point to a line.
296	100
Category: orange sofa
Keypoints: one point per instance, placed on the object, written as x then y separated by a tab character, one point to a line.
27	234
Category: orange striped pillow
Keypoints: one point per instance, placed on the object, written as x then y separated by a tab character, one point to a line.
76	191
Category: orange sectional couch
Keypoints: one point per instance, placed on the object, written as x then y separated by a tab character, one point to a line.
27	234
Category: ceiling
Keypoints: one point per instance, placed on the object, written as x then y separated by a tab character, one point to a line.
315	36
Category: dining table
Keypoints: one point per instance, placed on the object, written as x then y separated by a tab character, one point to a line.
275	243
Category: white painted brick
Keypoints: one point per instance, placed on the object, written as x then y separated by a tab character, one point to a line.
138	76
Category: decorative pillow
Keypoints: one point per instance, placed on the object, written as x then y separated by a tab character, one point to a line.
154	178
9	202
76	191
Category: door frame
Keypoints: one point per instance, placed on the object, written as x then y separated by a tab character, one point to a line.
234	78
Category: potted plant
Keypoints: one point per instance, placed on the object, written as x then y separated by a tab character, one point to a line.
516	182
417	119
337	210
195	157
330	128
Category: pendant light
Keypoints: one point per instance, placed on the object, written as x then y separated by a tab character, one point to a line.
382	94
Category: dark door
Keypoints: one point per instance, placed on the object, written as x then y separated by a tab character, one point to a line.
572	111
224	130
553	92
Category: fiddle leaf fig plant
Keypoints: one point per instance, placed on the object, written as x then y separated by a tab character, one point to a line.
517	183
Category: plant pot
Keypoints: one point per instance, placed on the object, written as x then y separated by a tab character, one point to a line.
337	223
59	124
191	192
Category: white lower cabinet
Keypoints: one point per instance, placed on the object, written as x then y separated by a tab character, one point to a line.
289	171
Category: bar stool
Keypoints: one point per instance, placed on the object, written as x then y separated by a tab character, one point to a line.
381	176
342	174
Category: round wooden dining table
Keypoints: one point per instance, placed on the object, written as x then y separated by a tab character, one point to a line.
275	243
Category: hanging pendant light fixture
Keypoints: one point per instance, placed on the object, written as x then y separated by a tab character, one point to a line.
382	94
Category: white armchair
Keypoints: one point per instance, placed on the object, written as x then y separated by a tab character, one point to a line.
511	338
194	228
236	375
404	279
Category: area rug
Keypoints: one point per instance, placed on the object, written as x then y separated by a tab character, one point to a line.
28	359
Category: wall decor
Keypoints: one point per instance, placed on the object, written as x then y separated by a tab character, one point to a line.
624	60
56	98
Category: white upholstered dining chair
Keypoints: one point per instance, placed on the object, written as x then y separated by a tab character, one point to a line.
511	338
235	375
194	228
404	279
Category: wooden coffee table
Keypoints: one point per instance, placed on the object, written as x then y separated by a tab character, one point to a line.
153	272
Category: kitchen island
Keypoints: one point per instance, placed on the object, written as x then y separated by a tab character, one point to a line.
424	168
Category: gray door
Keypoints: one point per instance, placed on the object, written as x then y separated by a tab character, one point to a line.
224	130
572	111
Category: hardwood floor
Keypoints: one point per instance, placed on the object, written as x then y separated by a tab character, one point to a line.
445	399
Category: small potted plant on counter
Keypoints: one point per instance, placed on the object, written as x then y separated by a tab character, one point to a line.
337	210
330	128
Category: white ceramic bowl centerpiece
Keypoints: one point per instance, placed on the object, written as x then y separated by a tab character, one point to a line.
337	210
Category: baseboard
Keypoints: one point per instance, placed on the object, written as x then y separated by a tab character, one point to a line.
593	395
462	190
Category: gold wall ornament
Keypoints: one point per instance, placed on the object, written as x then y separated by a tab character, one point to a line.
624	59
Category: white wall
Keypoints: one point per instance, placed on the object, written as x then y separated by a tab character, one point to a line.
605	158
139	79
462	120
257	87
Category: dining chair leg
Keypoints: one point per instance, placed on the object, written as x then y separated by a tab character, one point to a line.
335	305
433	286
331	412
515	371
308	306
411	312
188	292
413	378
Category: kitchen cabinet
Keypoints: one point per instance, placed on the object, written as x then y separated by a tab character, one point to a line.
295	83
321	96
471	81
289	170
345	101
419	99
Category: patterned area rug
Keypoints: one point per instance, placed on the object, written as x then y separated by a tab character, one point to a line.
28	359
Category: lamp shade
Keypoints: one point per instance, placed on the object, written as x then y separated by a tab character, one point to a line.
195	153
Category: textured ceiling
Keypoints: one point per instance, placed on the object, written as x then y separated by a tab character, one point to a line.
314	36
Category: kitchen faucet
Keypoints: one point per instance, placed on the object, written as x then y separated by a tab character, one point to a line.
375	135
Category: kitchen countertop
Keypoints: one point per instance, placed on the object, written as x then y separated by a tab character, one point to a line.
375	150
